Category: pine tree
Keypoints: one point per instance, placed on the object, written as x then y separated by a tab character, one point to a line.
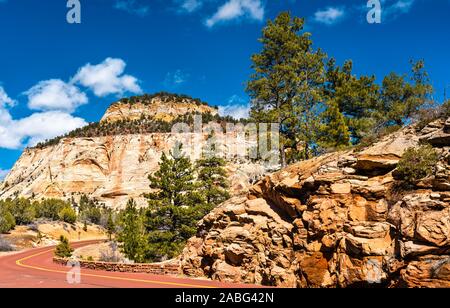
358	99
212	178
402	98
63	250
334	132
174	208
286	86
132	233
174	181
110	225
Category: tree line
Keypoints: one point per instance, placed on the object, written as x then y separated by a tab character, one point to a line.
23	211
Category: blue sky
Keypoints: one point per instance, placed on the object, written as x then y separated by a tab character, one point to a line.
55	76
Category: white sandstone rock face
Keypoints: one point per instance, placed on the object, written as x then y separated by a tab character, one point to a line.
115	168
111	169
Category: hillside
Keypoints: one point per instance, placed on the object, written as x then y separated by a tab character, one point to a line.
111	160
344	219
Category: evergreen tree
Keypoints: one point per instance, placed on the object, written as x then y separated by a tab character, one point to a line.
132	233
174	208
286	86
174	181
334	132
110	225
357	99
402	98
63	250
212	178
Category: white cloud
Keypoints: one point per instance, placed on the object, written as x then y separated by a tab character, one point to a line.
234	9
107	78
55	94
330	15
15	133
132	7
56	100
28	131
46	125
237	108
4	98
398	7
191	5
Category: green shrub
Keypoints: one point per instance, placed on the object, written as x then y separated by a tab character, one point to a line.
23	211
90	210
63	250
68	215
416	164
50	208
93	215
7	221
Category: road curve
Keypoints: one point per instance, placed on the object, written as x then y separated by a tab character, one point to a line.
35	269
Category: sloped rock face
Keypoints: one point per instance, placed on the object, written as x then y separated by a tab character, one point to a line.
339	220
114	168
111	169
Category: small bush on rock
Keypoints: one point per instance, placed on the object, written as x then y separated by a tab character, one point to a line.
416	164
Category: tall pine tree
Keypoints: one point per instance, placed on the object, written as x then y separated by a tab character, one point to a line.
132	234
402	98
357	99
212	180
286	84
174	207
334	132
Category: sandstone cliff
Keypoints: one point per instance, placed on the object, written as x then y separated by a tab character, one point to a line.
335	221
165	108
115	168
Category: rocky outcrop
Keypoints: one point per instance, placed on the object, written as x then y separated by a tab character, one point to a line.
157	109
339	220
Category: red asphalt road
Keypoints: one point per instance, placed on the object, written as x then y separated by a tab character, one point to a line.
35	269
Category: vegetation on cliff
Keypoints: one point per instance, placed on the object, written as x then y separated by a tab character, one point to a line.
319	104
165	97
144	125
416	164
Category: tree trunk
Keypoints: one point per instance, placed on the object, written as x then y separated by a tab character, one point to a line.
283	155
